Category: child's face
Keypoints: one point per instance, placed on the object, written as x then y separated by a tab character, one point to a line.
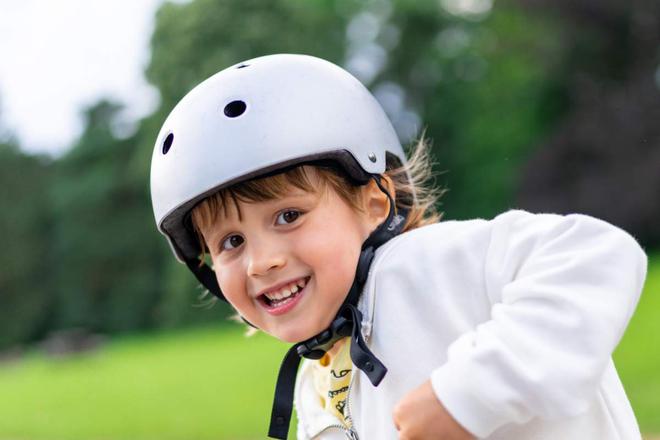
304	239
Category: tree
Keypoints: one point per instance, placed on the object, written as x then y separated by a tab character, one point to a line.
105	281
26	222
604	157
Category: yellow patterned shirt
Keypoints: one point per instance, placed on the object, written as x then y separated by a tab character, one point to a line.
332	375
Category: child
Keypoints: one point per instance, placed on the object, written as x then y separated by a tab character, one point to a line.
284	174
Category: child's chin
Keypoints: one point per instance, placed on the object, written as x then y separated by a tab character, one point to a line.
296	335
294	339
300	330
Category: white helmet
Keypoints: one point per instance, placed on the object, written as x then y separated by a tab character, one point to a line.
256	117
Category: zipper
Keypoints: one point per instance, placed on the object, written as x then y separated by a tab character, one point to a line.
351	434
348	403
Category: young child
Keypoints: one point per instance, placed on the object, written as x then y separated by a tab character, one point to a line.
282	185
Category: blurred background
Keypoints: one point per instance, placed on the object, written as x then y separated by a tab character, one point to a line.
549	106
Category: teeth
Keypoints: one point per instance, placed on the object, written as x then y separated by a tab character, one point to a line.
287	291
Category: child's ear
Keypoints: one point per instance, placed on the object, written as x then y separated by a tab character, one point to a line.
376	203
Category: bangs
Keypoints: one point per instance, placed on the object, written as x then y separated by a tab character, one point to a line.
272	187
311	179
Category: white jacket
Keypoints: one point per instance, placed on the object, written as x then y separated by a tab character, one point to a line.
514	320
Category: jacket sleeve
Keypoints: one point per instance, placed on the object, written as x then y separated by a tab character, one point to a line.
562	289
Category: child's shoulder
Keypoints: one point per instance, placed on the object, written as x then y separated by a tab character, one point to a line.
455	237
456	230
436	238
511	221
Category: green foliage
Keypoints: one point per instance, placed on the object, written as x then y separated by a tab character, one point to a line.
26	260
101	239
192	41
485	93
113	278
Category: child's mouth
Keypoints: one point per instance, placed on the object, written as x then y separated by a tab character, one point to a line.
278	306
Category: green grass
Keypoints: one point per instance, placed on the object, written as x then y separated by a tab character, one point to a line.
197	384
212	383
638	355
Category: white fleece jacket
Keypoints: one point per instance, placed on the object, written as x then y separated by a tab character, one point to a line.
513	320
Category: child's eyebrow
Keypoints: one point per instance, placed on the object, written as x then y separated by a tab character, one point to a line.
294	195
304	197
301	195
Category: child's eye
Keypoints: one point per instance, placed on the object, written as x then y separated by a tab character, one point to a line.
231	242
288	216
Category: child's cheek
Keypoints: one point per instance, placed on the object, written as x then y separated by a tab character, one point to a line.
229	282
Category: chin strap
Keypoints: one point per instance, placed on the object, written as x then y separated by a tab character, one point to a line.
347	322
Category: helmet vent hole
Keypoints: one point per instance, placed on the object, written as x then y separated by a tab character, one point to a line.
168	143
242	66
235	109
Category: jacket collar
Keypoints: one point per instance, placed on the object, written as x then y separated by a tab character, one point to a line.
367	301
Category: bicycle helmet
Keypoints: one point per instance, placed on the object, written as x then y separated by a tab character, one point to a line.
258	116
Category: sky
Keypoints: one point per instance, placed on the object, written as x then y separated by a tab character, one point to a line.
57	57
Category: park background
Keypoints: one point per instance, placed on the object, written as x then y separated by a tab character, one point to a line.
549	106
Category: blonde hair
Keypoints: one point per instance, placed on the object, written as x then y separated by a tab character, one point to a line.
413	183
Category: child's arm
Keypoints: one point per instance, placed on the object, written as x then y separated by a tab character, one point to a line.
563	289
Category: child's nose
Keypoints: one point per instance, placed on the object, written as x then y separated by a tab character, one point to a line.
263	259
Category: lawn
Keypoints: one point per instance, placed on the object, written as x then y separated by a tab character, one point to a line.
638	355
209	383
212	383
